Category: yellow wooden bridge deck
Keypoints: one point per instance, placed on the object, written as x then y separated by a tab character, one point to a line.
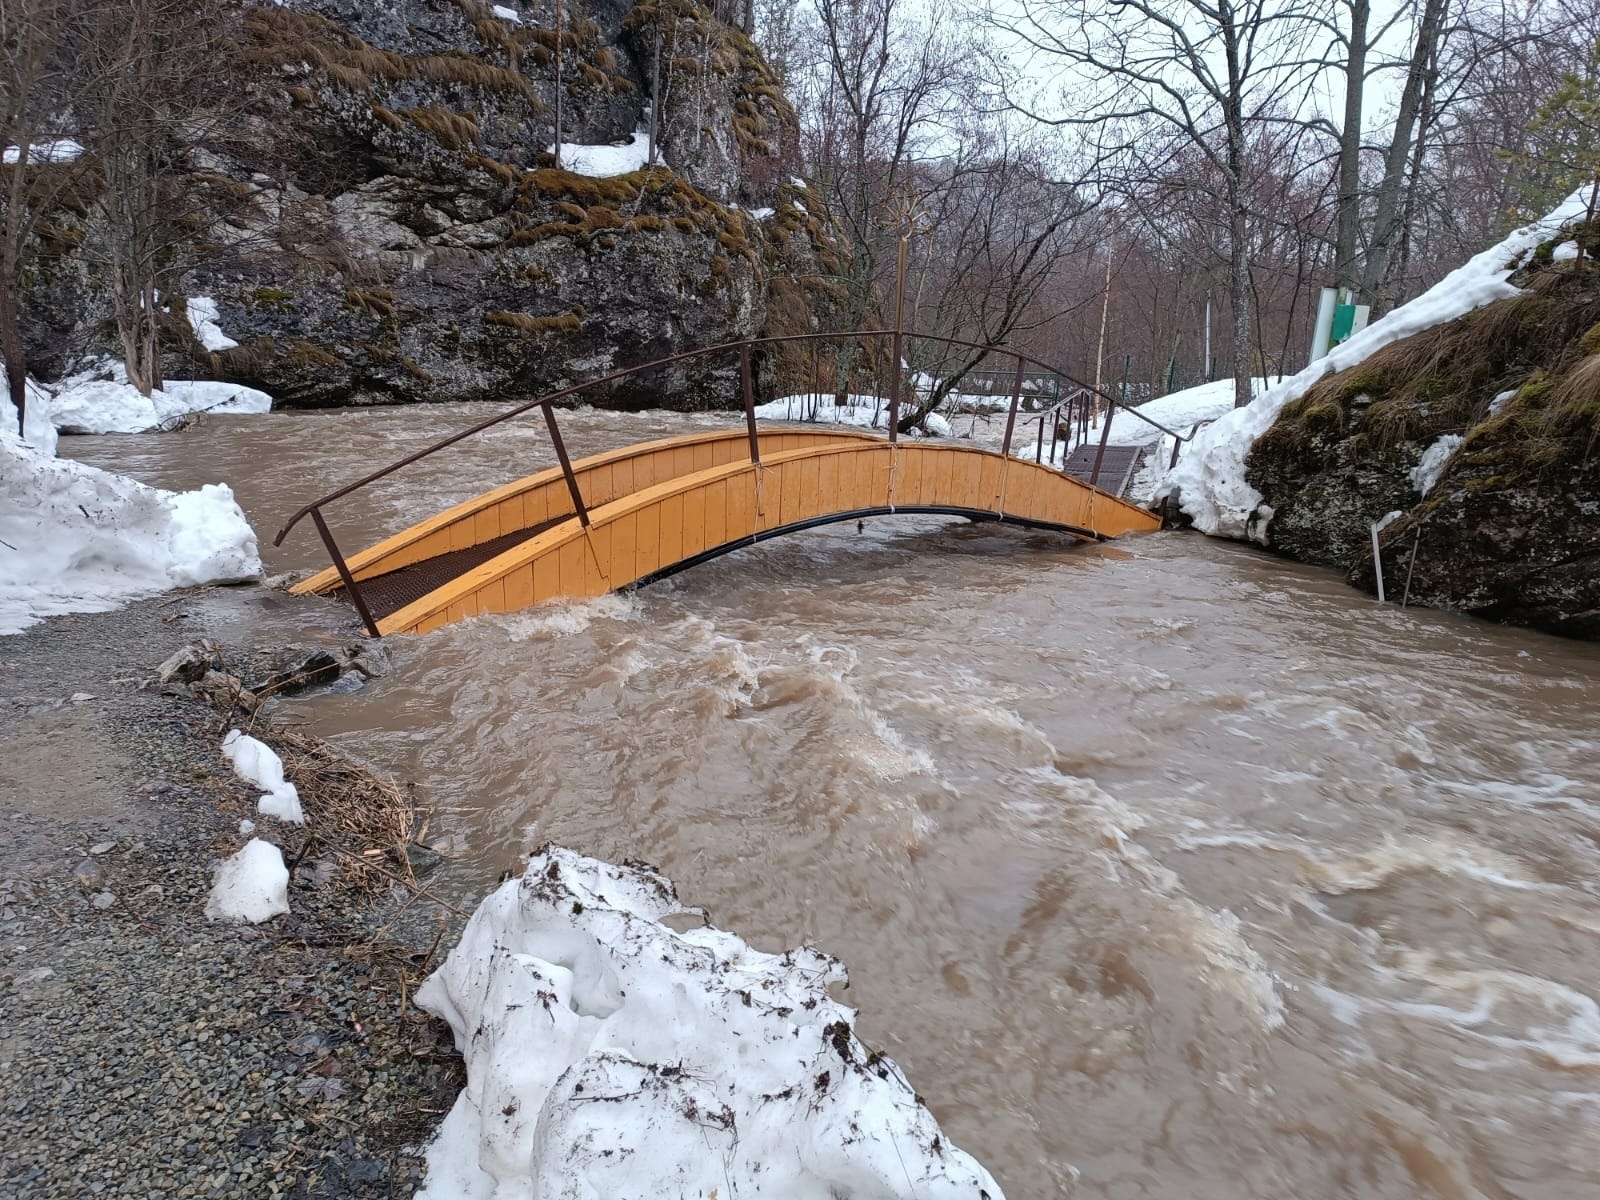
658	507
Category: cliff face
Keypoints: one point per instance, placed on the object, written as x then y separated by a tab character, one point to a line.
393	227
1503	520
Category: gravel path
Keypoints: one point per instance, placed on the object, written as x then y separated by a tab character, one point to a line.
143	1050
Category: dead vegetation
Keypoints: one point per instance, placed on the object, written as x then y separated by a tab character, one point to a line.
567	322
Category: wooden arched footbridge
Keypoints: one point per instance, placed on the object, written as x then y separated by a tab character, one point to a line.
623	518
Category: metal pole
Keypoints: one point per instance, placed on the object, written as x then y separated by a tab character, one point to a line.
1105	436
344	573
749	402
559	86
566	464
899	333
1038	449
1011	417
1377	561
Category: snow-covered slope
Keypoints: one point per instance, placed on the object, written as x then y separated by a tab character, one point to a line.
1209	481
77	539
609	1056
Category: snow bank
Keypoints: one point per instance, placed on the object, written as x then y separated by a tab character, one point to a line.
601	162
251	886
77	539
865	412
257	763
107	406
1209	481
609	1056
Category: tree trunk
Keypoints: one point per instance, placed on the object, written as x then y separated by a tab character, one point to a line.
1346	265
1391	190
16	359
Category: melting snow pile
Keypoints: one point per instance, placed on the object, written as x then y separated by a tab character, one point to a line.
257	763
251	886
609	1056
866	412
77	539
106	406
1209	480
602	162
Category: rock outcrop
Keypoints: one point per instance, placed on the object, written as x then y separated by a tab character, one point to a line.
386	222
1503	519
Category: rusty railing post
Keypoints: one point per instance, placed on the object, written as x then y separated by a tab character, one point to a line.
1011	416
1105	436
894	388
566	464
343	568
749	401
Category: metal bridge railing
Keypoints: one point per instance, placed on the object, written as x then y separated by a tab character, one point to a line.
1078	405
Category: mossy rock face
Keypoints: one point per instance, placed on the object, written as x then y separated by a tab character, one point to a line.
399	232
1511	529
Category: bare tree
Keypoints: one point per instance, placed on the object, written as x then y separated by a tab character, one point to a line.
145	89
39	163
1156	77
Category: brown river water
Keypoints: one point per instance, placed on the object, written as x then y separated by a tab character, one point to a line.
1165	868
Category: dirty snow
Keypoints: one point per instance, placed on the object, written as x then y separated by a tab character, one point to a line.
78	539
252	885
107	406
601	162
1426	473
1209	480
257	763
610	1056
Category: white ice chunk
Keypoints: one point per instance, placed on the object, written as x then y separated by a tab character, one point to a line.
1209	479
257	763
507	14
609	1056
251	886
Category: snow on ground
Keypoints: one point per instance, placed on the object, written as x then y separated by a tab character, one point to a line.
1209	480
864	412
60	150
78	539
106	406
1426	473
608	1055
601	162
507	14
203	320
252	886
257	763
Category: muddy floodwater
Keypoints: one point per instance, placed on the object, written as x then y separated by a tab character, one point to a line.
1165	868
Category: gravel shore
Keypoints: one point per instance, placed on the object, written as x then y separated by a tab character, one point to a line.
145	1051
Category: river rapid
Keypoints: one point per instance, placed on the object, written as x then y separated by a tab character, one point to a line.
1165	868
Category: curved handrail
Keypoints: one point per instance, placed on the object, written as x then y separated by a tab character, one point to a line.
745	350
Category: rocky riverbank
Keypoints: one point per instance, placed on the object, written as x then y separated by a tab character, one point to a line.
145	1050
